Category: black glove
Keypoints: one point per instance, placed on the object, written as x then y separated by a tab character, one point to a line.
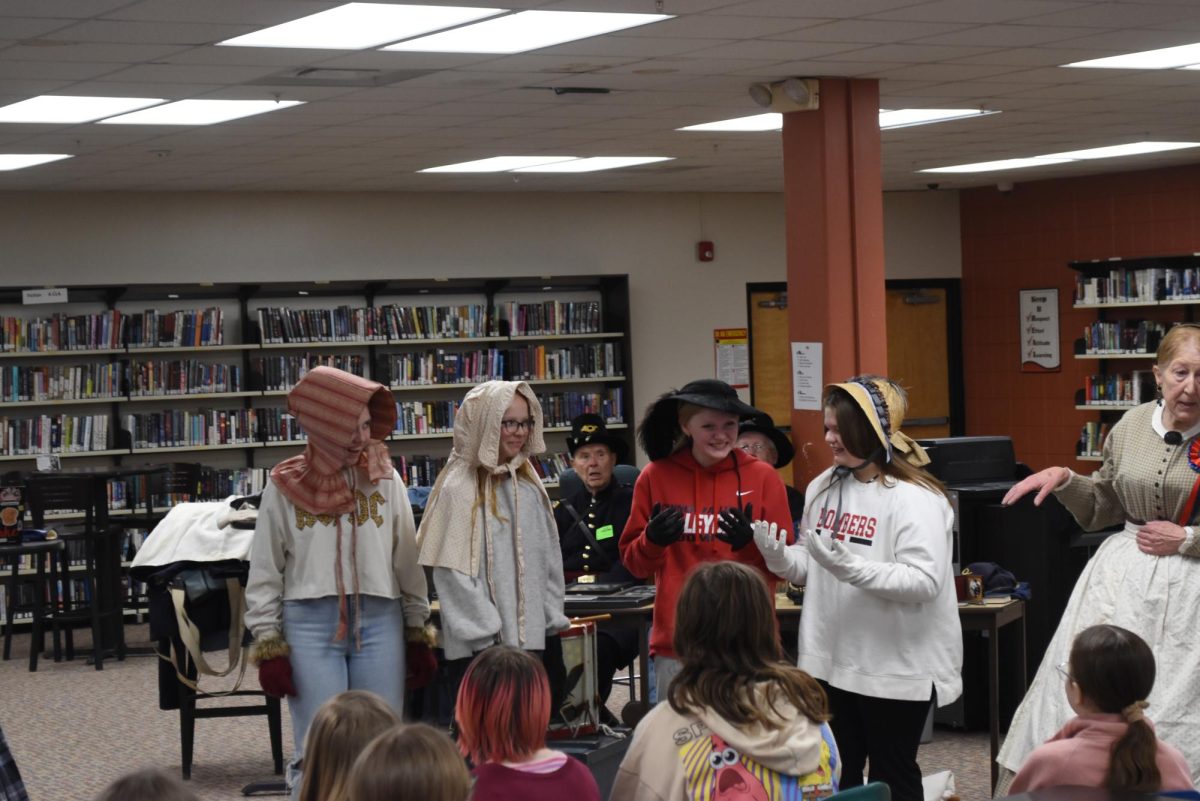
665	525
736	528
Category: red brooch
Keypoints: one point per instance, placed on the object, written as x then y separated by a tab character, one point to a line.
1194	454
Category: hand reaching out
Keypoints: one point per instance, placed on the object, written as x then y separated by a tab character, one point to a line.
1043	482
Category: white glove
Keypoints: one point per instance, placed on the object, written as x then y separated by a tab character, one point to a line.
771	541
830	554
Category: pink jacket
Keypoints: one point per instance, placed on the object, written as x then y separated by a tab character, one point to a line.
1078	755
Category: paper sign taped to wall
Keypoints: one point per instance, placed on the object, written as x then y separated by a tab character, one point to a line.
807	372
733	356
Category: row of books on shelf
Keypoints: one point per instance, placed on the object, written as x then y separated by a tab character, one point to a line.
1142	285
549	317
281	373
181	377
1124	389
59	433
532	363
65	433
1123	336
183	427
436	322
188	328
393	322
61	382
112	329
1091	438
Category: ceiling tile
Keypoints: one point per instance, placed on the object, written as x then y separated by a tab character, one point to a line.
980	10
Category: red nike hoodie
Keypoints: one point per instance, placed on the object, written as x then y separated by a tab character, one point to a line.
700	493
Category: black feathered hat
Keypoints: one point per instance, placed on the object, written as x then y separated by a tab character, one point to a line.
762	423
660	426
589	429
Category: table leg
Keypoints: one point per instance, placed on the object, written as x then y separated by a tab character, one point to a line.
644	660
993	631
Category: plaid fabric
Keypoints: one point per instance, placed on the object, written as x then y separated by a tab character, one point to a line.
11	786
1142	478
327	403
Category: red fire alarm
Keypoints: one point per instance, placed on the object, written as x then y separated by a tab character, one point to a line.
704	251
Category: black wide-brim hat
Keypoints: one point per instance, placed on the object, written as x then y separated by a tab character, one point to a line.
660	426
762	423
590	429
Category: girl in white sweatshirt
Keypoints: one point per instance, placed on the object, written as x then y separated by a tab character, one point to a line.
880	625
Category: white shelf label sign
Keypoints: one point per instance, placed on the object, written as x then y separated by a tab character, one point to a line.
32	297
1040	350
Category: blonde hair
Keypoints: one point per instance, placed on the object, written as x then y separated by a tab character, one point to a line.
411	762
1174	340
339	731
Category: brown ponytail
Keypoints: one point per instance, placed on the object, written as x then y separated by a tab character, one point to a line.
1114	669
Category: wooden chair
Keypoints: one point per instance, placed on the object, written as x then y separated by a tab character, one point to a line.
44	596
98	553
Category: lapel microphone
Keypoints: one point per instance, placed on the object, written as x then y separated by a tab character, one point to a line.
1173	438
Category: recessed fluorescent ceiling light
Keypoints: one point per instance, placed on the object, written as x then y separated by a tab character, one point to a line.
594	163
1112	151
18	161
355	26
498	164
906	117
1132	149
1164	59
1002	164
887	119
200	112
526	30
64	108
757	122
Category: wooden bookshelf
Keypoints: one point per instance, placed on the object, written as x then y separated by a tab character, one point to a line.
1138	298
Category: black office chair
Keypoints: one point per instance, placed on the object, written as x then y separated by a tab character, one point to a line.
569	481
91	586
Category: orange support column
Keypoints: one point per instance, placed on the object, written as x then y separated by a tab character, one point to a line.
834	202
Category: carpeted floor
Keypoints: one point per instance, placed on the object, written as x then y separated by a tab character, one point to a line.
73	729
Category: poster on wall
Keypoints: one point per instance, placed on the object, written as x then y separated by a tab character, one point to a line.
733	356
807	376
1040	352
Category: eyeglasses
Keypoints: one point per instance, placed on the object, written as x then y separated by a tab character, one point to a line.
756	448
513	426
1061	667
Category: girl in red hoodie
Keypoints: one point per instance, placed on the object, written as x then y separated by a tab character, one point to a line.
695	501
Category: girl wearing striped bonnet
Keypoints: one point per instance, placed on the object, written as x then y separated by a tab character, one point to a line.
334	585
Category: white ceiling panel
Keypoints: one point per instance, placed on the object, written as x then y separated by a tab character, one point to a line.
982	10
1009	36
1121	15
999	54
96	52
871	31
261	13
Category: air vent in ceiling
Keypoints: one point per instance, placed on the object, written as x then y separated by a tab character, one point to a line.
326	76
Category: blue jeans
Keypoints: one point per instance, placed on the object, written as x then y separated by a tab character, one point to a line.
322	668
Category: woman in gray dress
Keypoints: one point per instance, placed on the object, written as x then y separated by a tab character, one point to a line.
1145	578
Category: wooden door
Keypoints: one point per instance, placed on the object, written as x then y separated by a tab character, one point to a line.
919	357
771	360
